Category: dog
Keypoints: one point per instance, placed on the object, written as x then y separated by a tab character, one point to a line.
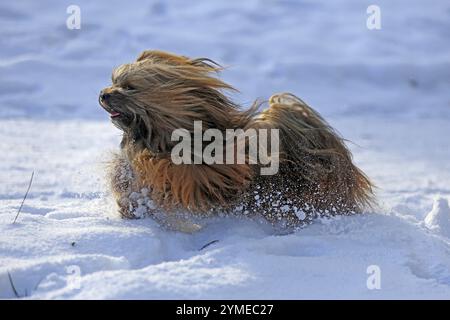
161	92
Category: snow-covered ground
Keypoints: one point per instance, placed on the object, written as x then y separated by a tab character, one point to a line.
388	91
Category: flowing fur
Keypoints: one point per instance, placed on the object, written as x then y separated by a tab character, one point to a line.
161	92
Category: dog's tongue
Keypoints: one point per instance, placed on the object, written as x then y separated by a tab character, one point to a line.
115	114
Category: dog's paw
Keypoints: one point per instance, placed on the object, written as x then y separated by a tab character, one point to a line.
126	208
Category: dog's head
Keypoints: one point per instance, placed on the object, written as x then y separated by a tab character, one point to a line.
161	92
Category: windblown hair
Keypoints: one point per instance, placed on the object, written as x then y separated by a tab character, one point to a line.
161	92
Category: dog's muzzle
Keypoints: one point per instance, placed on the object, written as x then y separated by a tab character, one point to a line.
103	99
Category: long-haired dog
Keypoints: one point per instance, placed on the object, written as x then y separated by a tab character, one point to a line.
162	92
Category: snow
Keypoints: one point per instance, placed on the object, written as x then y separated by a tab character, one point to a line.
439	216
384	90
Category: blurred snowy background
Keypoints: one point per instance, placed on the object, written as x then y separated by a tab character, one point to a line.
387	91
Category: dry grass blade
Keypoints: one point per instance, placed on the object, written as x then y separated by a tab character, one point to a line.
208	244
12	286
26	194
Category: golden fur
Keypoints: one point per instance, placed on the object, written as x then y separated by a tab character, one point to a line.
161	92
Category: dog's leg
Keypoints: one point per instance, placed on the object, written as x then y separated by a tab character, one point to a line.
134	201
123	185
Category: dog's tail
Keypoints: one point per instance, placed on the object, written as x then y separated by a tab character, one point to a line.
315	153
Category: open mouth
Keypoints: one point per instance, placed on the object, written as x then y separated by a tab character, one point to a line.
113	114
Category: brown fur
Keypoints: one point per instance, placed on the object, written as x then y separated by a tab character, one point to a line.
161	92
195	187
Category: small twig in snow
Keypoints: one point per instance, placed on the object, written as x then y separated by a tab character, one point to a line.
208	244
26	194
12	286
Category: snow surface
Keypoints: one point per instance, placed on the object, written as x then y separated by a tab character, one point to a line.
385	90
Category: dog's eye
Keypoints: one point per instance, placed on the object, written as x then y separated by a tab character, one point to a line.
129	88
